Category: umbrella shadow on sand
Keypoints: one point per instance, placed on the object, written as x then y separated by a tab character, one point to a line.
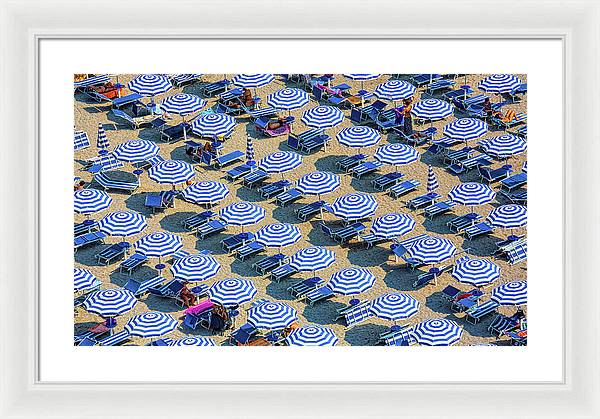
364	334
323	313
362	185
372	257
481	246
136	202
327	163
401	279
172	222
242	268
438	225
247	194
164	305
438	304
286	215
278	290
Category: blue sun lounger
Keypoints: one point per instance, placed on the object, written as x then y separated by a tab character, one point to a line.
371	239
403	188
438	208
103	163
475	314
513	182
365	168
162	200
116	339
224	160
344	234
255	177
182	79
455	156
423	200
269	263
287	197
234	242
272	189
477	230
387	180
417	137
215	88
458	224
516	197
115	251
132	262
138	288
89	238
196	220
238	172
494	175
308	210
209	228
249	250
80	140
107	183
243	334
135	122
517	254
439	86
301	288
423	79
84	228
319	294
266	112
282	272
502	323
349	162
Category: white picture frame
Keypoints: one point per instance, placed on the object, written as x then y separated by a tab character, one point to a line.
26	24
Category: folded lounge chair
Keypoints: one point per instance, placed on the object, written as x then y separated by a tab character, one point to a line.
80	140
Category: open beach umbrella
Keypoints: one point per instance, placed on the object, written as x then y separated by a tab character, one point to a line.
432	182
396	154
361	78
159	244
392	225
512	293
318	183
312	335
432	109
432	250
183	104
213	125
312	259
465	129
252	81
272	315
195	268
358	137
171	172
102	141
110	303
322	117
232	291
194	341
280	162
477	272
278	235
150	324
88	201
123	223
288	99
395	306
350	281
437	332
150	85
134	151
471	194
499	83
508	216
242	213
354	206
395	90
504	145
205	192
83	279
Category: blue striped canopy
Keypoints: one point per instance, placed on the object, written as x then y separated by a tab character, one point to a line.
465	129
396	154
524	168
110	303
508	216
80	140
395	90
477	272
504	145
280	162
499	83
471	193
123	223
252	80
392	225
358	136
354	206
250	151
88	201
395	306
432	182
159	244
312	335
150	324
242	213
171	172
205	192
317	183
322	117
83	279
102	141
134	151
351	281
183	104
278	235
195	268
437	332
288	99
232	291
512	293
432	109
432	250
312	259
272	315
213	125
150	84
362	77
194	341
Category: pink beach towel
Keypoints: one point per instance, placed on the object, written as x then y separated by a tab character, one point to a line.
200	308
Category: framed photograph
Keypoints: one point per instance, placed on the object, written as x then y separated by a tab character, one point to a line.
332	218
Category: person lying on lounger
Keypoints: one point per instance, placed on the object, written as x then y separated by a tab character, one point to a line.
187	297
105	88
277	124
245	99
79	185
488	110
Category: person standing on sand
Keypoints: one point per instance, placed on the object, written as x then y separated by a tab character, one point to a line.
408	129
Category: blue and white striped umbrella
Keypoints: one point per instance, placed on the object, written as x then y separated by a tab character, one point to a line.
102	141
183	104
171	172
322	117
88	201
465	129
251	81
83	279
392	225
432	109
123	223
159	244
361	77
288	99
432	250
512	293
232	291
242	213
358	136
250	151
134	151
278	235
312	259
395	90
194	341
110	303
150	84
195	268
281	161
396	154
395	306
432	182
205	192
477	272
354	206
272	315
213	125
504	145
351	281
151	324
317	183
437	332
312	335
524	168
508	216
499	83
471	193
